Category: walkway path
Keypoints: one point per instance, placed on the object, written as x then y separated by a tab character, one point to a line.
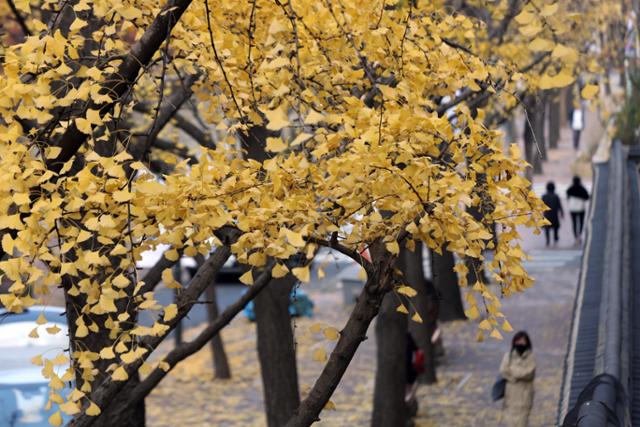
462	396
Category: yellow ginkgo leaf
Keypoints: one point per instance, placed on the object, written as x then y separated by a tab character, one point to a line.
561	79
315	328
506	326
55	419
70	408
172	255
402	309
485	325
313	118
120	374
331	333
393	247
53	329
60	359
276	145
319	354
330	406
276	119
41	320
472	313
302	273
247	278
496	334
107	353
407	290
589	91
541	45
549	10
93	410
294	238
279	270
170	312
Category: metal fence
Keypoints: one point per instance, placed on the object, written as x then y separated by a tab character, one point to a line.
602	367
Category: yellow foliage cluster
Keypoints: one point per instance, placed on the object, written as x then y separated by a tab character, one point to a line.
368	138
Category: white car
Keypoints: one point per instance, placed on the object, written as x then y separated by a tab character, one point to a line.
23	389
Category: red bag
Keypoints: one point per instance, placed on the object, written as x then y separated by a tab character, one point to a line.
418	361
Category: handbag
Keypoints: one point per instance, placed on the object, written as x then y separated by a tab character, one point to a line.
497	391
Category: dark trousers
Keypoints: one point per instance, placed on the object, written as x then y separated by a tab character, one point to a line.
577	221
576	139
547	233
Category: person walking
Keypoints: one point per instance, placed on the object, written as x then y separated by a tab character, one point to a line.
553	214
577	124
518	368
577	197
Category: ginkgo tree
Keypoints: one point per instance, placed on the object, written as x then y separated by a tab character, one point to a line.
335	132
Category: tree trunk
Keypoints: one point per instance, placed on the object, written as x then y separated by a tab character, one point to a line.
554	119
539	128
428	305
276	351
115	415
221	367
389	409
446	284
532	154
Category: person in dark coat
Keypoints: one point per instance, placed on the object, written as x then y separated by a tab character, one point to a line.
577	197
553	215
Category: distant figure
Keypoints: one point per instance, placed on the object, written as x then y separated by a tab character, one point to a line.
577	124
577	197
553	215
519	369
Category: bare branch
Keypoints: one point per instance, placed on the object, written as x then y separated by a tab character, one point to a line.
19	18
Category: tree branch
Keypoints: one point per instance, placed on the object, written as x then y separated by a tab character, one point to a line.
354	332
187	349
105	393
19	18
123	79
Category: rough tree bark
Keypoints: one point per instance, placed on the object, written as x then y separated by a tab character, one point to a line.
276	351
554	118
531	147
539	126
389	409
446	284
221	367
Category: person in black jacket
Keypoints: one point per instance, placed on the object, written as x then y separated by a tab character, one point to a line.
553	215
577	197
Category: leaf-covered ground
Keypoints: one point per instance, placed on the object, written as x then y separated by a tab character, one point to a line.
190	396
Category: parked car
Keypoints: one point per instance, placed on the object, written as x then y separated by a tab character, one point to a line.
23	390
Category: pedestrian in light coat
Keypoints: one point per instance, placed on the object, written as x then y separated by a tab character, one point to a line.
519	369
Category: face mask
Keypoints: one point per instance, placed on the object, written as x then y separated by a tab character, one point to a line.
520	348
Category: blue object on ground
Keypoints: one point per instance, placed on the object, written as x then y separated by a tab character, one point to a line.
300	305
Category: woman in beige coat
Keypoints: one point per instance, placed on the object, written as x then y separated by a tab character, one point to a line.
519	369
